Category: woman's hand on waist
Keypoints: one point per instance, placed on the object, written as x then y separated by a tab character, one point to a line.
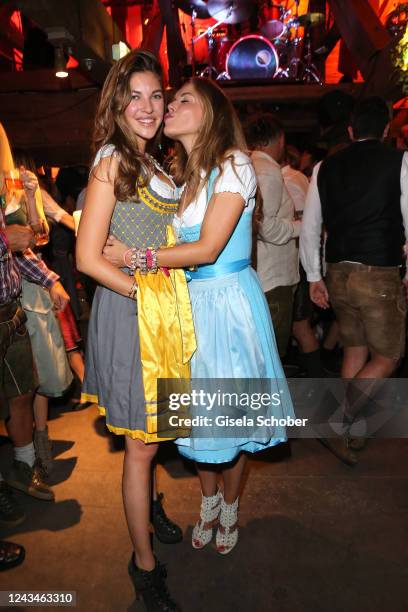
114	251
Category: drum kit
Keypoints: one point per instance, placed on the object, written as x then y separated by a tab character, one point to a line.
282	49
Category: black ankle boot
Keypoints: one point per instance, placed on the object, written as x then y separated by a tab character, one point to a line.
166	531
152	588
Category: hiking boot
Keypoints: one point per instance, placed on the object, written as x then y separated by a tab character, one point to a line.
27	479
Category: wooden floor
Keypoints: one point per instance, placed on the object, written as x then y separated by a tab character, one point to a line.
315	535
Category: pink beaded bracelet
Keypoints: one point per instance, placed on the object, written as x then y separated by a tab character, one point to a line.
151	260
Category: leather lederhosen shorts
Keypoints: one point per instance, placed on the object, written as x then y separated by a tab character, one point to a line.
17	373
370	306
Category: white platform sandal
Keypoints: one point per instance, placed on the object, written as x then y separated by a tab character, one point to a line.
210	509
227	539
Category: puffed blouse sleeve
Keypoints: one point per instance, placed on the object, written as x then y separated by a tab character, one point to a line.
105	151
237	176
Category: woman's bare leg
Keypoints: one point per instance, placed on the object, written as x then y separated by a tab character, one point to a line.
76	363
208	479
232	476
136	487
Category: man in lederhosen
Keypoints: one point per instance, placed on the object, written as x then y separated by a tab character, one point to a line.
17	374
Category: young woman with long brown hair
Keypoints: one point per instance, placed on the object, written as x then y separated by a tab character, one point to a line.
134	336
233	328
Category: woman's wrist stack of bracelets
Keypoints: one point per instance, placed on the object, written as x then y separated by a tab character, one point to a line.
144	259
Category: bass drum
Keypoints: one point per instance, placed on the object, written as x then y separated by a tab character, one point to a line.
252	57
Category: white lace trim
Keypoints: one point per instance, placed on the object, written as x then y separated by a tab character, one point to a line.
161	169
235	188
163	189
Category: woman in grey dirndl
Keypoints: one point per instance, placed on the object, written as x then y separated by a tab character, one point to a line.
130	197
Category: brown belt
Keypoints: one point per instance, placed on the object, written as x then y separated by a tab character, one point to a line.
359	267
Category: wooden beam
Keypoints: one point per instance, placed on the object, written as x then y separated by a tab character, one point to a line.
370	44
8	31
361	29
299	93
176	51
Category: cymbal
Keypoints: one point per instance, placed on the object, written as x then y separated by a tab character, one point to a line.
200	7
310	19
229	11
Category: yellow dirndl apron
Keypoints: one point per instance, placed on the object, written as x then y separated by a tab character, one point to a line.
167	343
167	338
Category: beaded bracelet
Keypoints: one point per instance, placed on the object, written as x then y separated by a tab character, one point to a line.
142	261
134	259
151	259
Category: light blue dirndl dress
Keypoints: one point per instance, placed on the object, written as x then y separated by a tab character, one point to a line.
233	326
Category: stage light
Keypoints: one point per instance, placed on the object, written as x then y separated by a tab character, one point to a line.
60	64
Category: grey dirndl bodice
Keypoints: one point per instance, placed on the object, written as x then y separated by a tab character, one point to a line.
142	222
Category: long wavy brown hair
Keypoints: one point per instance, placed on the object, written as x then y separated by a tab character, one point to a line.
220	133
111	127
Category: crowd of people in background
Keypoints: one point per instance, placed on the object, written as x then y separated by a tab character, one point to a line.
328	252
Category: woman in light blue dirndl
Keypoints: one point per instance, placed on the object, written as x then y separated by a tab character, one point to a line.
234	333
